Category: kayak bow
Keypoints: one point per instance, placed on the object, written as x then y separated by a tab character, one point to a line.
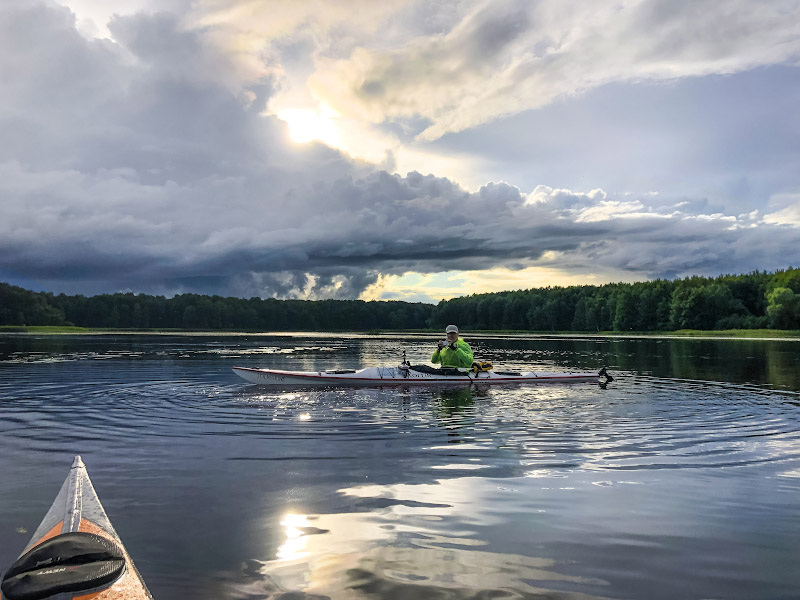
75	552
405	375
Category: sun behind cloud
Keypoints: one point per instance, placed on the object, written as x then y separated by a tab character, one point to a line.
306	125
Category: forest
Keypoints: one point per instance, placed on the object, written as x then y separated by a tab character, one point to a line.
755	300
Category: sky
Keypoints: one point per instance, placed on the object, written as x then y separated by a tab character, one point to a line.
412	150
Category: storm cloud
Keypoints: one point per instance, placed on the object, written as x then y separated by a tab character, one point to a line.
147	162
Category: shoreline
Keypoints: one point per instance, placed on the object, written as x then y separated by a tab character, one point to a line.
735	334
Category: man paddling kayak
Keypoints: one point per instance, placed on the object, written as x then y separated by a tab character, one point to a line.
453	353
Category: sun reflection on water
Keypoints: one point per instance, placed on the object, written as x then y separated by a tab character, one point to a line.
418	540
295	545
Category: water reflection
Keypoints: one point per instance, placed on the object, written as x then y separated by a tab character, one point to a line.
295	528
776	362
456	400
454	411
423	544
441	540
679	480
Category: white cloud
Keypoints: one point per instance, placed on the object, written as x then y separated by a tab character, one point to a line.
786	210
501	58
561	198
92	16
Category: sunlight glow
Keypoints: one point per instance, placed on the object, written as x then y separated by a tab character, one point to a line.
432	287
309	125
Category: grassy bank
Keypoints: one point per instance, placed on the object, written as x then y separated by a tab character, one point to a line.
740	333
687	333
70	329
43	329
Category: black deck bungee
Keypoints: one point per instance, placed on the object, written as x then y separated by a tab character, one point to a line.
70	562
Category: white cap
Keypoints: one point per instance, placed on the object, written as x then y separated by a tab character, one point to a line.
451	328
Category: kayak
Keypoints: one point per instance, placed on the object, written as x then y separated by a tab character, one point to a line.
405	375
75	552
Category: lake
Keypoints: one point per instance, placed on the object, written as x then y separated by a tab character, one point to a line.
680	479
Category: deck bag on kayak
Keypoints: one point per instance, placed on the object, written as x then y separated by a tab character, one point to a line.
481	366
70	562
447	371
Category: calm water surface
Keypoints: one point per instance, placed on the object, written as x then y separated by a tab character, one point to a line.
681	479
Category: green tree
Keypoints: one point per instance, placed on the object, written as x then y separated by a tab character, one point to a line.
701	307
625	313
783	308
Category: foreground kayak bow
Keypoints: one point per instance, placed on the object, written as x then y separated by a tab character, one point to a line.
75	552
405	375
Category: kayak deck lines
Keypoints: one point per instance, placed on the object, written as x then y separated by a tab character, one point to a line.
74	504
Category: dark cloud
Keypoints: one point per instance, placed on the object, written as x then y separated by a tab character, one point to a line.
141	165
493	28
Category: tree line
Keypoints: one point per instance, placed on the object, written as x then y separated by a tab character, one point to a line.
199	312
752	301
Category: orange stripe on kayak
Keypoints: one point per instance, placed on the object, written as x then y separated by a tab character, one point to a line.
56	530
86	526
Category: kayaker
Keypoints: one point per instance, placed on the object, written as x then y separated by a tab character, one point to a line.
454	352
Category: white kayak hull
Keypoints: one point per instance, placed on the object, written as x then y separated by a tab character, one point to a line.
376	376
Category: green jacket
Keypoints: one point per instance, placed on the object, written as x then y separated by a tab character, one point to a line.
460	357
